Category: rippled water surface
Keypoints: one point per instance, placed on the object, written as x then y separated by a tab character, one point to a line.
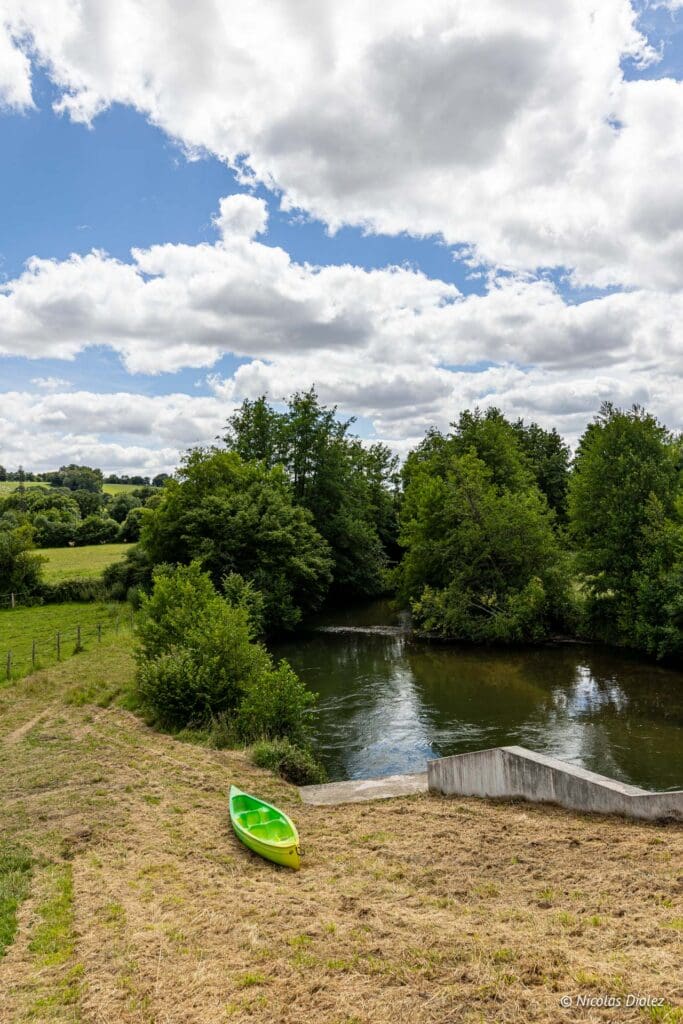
388	703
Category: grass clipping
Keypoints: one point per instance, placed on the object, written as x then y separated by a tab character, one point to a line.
145	908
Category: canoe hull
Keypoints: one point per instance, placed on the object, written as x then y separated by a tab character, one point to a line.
264	829
287	856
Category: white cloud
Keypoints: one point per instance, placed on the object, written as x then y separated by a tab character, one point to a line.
387	344
15	72
50	383
507	127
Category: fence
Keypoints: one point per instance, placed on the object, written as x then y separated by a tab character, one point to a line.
40	648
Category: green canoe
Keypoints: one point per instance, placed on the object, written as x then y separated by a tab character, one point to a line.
264	829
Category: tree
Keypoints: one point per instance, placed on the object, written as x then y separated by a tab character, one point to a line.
482	561
20	569
131	527
76	478
121	506
626	466
234	516
198	660
3	473
549	457
348	487
160	479
97	530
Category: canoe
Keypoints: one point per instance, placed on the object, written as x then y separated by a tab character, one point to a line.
264	829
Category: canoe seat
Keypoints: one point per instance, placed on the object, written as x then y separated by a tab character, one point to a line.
250	818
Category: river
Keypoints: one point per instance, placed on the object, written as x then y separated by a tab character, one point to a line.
387	703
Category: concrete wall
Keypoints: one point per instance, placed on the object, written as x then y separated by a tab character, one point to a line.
515	772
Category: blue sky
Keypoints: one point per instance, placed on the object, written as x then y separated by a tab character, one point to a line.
120	182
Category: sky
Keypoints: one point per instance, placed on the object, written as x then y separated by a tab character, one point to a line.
417	208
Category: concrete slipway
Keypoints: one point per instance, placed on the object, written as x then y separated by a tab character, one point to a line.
509	773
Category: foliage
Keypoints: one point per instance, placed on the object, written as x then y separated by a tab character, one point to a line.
121	506
276	704
76	478
95	529
348	488
237	517
20	568
626	526
131	528
549	458
295	764
133	570
482	560
198	663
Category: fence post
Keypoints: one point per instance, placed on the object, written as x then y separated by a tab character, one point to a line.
78	636
117	622
131	620
58	646
99	632
9	664
33	654
12	600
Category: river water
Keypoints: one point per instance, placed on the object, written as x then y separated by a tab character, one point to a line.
388	703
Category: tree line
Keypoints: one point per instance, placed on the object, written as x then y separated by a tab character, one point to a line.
489	532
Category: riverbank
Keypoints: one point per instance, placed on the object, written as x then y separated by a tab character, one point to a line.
143	907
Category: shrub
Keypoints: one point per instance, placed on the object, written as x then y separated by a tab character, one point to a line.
277	704
72	590
293	763
96	530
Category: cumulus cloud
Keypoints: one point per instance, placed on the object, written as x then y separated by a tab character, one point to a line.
506	127
15	72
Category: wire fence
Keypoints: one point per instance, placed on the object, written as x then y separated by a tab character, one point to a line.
38	648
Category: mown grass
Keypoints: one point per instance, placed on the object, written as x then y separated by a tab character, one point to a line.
422	909
15	876
21	626
88	562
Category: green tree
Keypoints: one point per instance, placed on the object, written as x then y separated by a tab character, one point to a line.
239	517
658	585
482	560
348	487
549	457
121	506
76	478
20	568
96	530
626	466
198	660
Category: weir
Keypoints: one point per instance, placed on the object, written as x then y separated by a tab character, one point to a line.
511	773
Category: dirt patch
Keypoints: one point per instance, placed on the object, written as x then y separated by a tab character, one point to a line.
18	734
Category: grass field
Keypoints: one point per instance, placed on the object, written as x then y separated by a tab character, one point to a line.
20	627
87	562
120	488
143	907
7	486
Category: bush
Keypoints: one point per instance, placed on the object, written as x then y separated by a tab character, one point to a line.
72	590
198	663
293	763
276	705
96	530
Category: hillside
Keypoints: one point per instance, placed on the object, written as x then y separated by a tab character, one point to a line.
142	907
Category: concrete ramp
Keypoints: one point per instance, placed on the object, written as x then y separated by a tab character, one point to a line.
359	790
515	772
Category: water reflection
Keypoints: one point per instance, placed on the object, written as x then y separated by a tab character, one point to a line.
387	704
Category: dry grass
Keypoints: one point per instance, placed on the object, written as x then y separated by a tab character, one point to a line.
144	908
